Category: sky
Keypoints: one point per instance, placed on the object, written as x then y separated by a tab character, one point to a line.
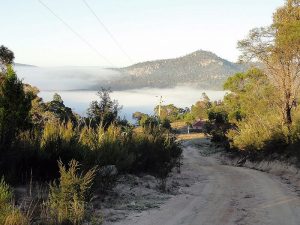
144	29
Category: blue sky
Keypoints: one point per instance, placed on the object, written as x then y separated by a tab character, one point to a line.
146	29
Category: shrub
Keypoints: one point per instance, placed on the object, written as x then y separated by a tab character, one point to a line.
15	217
58	136
9	214
5	193
58	142
107	147
156	151
258	133
68	199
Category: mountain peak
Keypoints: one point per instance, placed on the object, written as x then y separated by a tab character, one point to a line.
203	54
201	68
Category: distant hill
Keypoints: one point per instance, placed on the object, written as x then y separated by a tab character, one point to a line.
201	69
24	65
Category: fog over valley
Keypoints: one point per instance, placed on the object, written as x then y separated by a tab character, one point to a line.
65	78
136	87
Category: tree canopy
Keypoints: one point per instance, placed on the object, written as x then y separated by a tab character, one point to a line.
105	110
277	47
6	57
15	106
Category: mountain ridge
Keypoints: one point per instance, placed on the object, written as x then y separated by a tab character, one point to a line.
24	65
198	52
201	69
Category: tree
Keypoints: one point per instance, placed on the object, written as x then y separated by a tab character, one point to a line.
138	116
278	48
57	108
57	98
170	112
147	120
38	107
6	58
252	112
251	93
166	123
104	111
218	124
200	109
15	106
205	98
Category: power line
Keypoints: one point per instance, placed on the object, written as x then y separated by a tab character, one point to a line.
76	33
108	31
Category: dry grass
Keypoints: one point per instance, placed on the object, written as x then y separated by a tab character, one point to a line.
9	214
178	125
15	217
192	136
138	130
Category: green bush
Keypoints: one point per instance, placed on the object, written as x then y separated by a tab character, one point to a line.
15	105
128	150
5	193
257	133
68	199
156	150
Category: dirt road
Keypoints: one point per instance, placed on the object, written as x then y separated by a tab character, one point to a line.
224	195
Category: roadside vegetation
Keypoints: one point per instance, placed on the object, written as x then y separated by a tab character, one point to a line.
259	117
66	158
69	157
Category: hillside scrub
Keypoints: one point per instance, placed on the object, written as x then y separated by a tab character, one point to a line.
35	135
129	151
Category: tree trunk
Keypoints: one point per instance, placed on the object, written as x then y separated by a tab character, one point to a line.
287	107
288	114
287	118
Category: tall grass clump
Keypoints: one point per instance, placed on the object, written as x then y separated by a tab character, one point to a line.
156	152
68	199
59	141
107	146
145	151
58	137
10	214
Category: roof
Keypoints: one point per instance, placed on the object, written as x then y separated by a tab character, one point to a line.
199	123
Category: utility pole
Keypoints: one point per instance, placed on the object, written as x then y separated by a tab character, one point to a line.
159	106
159	110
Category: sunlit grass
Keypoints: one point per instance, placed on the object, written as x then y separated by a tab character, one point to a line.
191	136
178	125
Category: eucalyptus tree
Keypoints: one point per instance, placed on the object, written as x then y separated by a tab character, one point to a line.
277	47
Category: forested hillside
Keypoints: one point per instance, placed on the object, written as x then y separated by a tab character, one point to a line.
200	69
